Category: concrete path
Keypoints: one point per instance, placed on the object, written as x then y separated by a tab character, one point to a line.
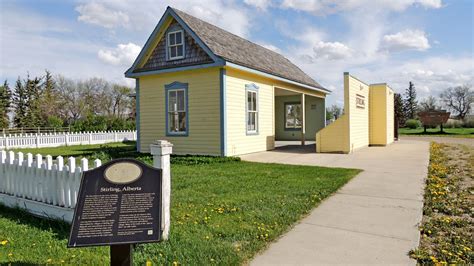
371	220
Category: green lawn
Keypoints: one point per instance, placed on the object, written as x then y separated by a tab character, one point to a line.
223	212
448	132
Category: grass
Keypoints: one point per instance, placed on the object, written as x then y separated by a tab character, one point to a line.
223	212
448	132
448	218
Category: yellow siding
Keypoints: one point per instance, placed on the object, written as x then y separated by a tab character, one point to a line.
335	137
381	114
351	131
238	142
204	111
358	117
390	115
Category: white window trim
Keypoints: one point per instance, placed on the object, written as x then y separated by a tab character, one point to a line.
168	45
185	110
247	112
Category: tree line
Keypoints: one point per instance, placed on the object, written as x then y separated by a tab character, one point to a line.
57	101
457	100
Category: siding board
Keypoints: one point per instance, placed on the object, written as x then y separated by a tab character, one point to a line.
203	107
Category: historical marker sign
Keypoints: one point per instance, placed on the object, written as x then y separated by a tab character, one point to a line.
118	203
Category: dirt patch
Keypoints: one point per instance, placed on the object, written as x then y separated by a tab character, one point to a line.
448	214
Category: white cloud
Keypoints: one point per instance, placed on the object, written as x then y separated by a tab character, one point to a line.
260	4
123	54
99	14
325	7
144	16
406	40
331	51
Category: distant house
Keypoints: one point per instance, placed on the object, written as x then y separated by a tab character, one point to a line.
209	91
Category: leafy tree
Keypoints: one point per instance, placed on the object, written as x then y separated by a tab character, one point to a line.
459	99
334	111
399	112
410	102
5	102
429	104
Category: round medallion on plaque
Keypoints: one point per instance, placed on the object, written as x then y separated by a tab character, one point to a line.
123	173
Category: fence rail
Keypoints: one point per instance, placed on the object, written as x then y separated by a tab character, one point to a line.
64	139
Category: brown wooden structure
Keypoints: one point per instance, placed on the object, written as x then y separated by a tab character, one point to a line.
434	118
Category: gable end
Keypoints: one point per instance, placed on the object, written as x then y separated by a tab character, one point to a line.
193	53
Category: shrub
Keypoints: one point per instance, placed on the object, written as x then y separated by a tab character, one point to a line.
469	123
54	121
413	123
453	124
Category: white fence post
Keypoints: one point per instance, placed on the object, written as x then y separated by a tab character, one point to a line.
161	151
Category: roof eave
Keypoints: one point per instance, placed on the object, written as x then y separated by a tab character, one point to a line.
255	71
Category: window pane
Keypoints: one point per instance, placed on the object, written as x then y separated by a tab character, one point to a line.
182	121
172	101
179	50
173	122
179	37
172	52
254	103
297	115
181	104
290	121
171	38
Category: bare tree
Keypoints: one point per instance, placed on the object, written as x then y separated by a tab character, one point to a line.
458	99
429	104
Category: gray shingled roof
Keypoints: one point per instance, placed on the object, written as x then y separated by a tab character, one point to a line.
237	50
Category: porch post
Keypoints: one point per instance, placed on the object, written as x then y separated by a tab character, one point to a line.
303	120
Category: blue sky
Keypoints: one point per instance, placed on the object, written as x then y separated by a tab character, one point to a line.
429	42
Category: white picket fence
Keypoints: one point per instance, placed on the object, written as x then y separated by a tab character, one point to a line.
42	186
64	139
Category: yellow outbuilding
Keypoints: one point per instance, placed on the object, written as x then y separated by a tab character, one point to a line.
368	118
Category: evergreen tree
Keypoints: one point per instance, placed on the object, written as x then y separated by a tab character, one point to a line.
399	113
19	102
33	111
410	102
5	102
49	98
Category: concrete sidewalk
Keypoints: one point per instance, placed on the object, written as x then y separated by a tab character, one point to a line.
371	220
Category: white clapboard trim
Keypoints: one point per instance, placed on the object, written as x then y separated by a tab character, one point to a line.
64	139
42	183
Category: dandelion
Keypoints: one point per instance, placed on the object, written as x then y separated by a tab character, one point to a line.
10	254
148	263
4	242
175	263
49	260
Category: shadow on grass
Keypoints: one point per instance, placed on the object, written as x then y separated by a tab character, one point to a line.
430	133
59	228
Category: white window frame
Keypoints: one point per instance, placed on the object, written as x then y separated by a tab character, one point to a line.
169	46
176	112
294	127
254	91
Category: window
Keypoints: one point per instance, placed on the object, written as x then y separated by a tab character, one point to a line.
177	112
252	111
175	45
292	115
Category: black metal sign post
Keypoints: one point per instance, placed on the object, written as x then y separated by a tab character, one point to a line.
119	204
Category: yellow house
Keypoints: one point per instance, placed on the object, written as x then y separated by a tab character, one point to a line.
368	118
211	92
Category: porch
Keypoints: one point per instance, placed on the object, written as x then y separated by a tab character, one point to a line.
293	126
